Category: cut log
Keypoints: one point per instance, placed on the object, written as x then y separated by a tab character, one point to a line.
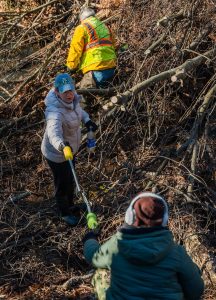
179	72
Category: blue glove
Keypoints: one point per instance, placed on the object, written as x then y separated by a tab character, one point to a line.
90	235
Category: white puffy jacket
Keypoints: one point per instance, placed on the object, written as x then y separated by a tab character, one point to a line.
62	124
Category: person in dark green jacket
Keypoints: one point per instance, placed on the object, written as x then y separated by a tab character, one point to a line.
143	259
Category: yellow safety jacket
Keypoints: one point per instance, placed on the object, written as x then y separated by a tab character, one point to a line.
92	47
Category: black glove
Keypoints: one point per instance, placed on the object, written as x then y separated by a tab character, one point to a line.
71	71
90	235
67	144
62	145
123	48
91	125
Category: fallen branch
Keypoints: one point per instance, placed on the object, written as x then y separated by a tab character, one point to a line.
200	116
100	92
155	44
72	281
38	72
205	261
174	74
15	121
199	39
22	85
193	167
165	21
160	168
16	198
28	29
23	15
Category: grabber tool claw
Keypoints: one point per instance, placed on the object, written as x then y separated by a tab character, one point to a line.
91	217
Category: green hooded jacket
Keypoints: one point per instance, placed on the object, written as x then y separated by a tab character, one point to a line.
146	263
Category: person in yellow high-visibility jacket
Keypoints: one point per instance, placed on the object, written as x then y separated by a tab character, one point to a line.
92	51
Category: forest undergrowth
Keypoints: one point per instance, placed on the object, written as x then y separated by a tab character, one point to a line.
157	132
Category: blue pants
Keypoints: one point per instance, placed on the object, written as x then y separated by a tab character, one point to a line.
103	78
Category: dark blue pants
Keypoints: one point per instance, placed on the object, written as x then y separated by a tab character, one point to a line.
64	185
103	78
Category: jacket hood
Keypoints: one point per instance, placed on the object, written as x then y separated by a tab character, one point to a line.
141	245
53	102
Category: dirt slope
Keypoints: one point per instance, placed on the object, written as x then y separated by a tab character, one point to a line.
160	136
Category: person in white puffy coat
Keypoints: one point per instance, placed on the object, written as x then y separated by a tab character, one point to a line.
63	119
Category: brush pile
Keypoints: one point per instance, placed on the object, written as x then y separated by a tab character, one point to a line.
157	133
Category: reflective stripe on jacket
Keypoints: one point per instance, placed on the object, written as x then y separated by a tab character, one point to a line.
92	47
95	40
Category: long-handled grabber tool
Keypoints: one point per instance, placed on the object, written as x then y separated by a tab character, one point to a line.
91	217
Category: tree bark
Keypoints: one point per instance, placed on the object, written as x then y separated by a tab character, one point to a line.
174	74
